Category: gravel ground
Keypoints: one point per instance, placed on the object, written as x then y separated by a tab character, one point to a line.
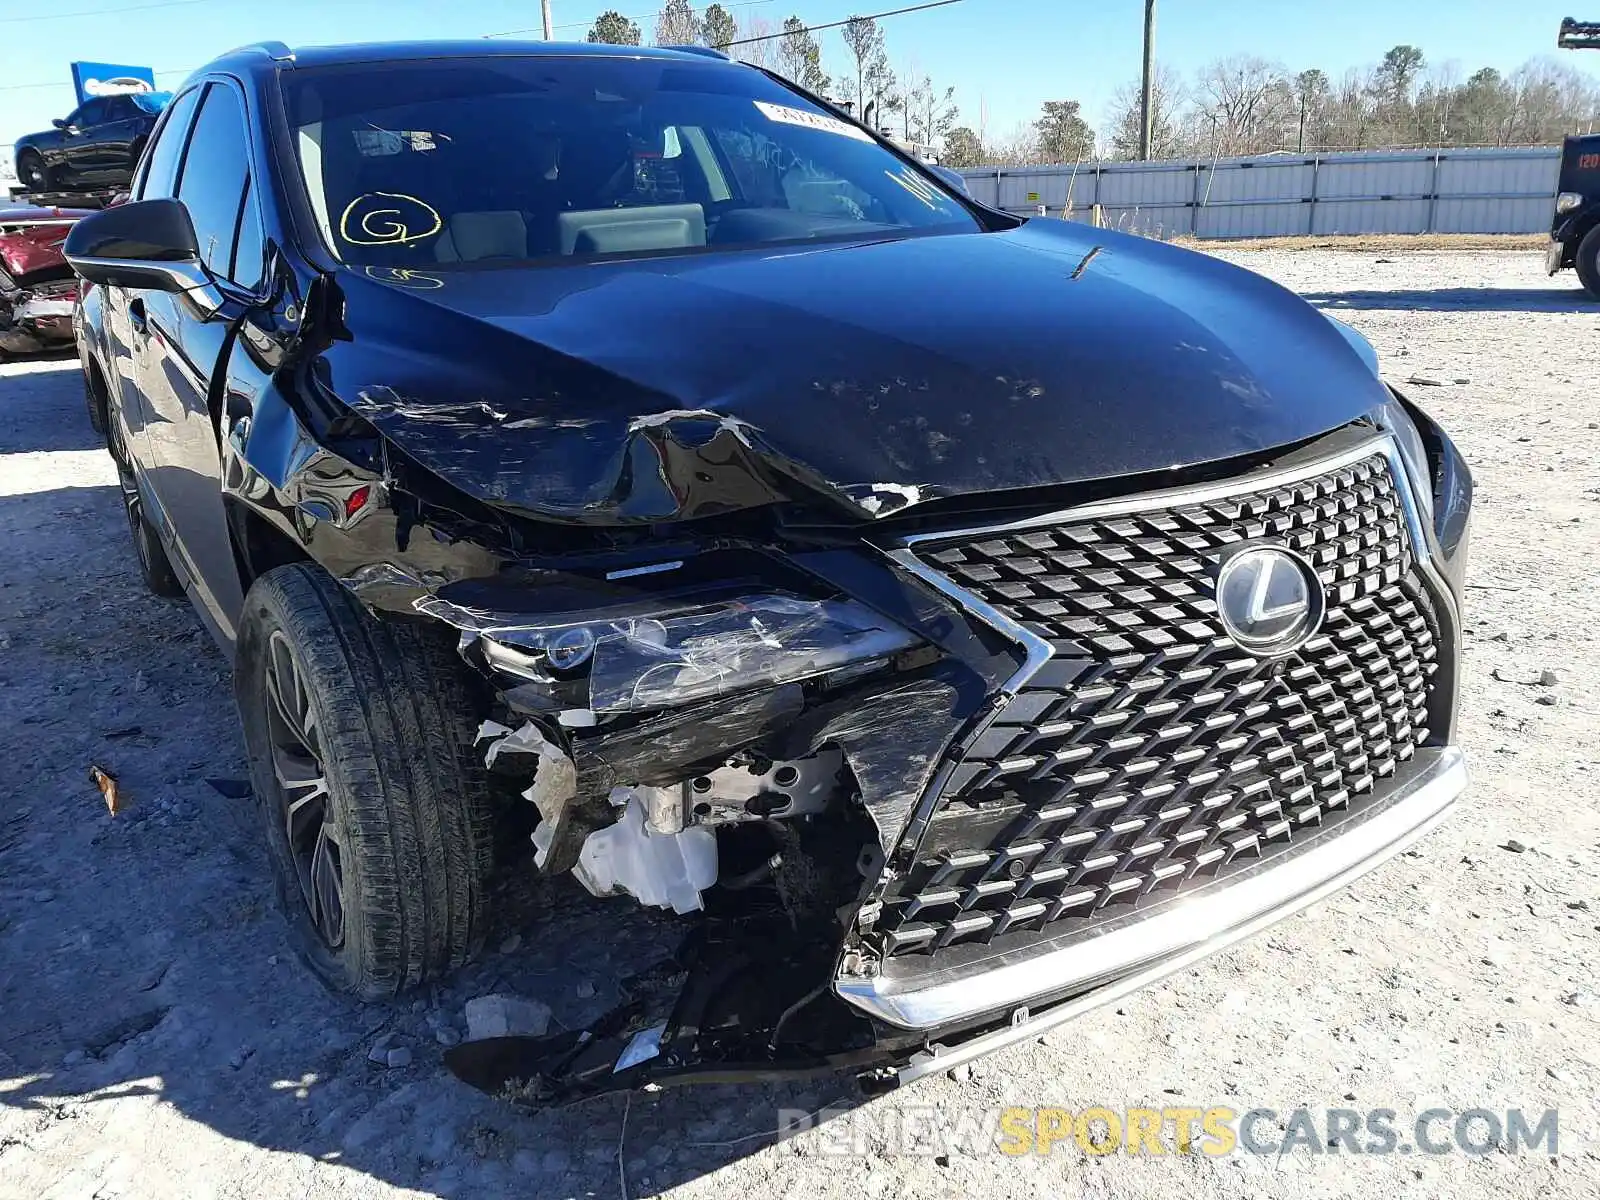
158	1039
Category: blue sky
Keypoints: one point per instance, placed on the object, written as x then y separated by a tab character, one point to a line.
1003	56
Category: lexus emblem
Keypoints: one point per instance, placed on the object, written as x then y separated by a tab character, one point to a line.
1270	600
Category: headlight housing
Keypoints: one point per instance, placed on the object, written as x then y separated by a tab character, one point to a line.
1391	416
1567	201
640	663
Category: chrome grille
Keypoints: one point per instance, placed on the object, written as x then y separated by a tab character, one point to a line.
1151	754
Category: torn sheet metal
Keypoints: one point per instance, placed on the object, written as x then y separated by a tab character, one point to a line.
893	741
552	792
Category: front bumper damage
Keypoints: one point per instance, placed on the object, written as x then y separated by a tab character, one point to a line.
783	988
820	775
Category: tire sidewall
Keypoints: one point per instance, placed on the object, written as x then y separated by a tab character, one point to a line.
1586	260
155	568
38	177
340	969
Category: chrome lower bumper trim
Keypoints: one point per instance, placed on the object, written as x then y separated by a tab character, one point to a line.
1168	940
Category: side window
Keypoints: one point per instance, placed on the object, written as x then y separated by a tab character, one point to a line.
91	112
249	248
211	184
159	168
121	108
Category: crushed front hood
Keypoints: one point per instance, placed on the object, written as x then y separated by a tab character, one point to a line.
874	376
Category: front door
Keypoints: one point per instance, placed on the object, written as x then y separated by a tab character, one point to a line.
182	369
79	150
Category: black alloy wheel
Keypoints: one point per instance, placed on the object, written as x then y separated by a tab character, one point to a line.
316	843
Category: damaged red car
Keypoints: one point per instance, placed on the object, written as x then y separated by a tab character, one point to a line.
38	290
935	623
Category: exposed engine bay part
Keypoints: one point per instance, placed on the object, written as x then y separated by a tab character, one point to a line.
662	868
749	788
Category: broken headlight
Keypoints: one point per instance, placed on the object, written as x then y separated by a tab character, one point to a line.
665	659
1391	416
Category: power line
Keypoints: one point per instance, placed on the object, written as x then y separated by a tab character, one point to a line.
98	12
767	37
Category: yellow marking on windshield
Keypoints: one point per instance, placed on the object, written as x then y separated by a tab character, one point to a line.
395	231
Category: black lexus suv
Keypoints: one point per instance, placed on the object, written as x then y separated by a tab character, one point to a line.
928	623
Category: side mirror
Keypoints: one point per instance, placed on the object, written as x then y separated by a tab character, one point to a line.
60	123
147	244
954	178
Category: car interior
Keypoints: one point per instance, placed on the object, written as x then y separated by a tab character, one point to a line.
516	177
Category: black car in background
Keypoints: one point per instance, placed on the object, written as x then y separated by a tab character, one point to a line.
96	147
921	624
1575	228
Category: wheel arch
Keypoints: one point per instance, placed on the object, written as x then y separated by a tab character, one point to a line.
99	390
259	545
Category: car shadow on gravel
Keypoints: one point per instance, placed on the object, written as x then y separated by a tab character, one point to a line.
146	985
21	431
1488	299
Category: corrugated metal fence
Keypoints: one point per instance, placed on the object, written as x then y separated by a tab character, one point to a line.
1507	190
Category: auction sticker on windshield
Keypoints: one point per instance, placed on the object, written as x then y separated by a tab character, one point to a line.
810	120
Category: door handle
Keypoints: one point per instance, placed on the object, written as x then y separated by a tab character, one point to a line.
136	318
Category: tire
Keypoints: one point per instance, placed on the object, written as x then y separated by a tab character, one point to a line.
374	799
1587	261
97	417
35	176
155	568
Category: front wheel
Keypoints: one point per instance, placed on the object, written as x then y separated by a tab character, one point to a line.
377	808
1587	261
32	171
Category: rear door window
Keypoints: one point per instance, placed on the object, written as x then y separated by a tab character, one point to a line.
91	112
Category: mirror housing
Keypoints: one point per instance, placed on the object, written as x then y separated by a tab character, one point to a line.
146	244
954	178
60	123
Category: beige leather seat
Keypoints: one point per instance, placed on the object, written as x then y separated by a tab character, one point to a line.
474	236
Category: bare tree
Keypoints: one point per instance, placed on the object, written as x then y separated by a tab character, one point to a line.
1311	90
1124	117
864	40
930	112
761	52
882	95
1246	98
1248	105
799	57
676	25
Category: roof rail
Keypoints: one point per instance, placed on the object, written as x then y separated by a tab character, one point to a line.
276	51
702	51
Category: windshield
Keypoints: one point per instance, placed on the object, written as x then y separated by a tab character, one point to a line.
512	159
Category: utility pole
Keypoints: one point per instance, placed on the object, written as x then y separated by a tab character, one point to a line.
549	32
1146	115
